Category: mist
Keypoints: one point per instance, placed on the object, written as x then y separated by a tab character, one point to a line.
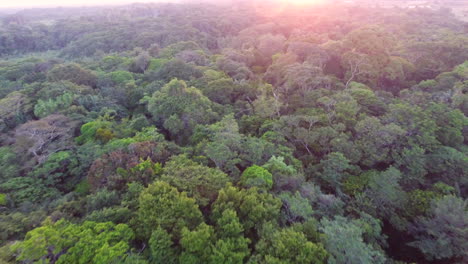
70	3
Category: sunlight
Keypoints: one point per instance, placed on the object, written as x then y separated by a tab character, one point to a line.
303	2
281	6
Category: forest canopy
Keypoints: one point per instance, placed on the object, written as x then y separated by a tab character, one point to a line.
198	133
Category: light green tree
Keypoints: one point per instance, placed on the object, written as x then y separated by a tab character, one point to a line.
162	205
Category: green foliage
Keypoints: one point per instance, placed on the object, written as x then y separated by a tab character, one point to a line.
3	199
73	73
199	182
101	199
145	172
442	234
345	244
69	243
89	131
156	64
228	225
231	246
230	250
161	247
295	207
221	137
356	184
60	171
282	173
21	189
45	108
115	214
451	166
197	244
8	166
289	246
162	205
121	77
14	109
386	196
171	50
179	108
419	201
253	208
177	69
334	166
256	176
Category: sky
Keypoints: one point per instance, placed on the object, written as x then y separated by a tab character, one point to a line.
54	3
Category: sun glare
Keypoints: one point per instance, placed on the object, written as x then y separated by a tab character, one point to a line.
303	2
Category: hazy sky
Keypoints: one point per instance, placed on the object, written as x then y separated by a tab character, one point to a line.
36	3
55	3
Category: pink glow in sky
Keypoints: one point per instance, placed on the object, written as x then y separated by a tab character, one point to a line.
54	3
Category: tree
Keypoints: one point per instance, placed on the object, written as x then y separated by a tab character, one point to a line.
121	77
386	194
450	124
64	242
231	246
178	108
268	45
310	52
60	170
161	247
225	139
236	70
285	177
222	91
73	73
334	168
368	101
162	205
367	54
45	108
298	130
8	163
344	243
252	207
256	176
177	69
14	108
295	207
376	141
417	122
357	65
101	199
197	244
199	182
412	162
141	62
138	161
100	130
22	189
289	246
275	74
45	136
230	250
443	233
302	78
450	165
230	150
145	172
266	105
